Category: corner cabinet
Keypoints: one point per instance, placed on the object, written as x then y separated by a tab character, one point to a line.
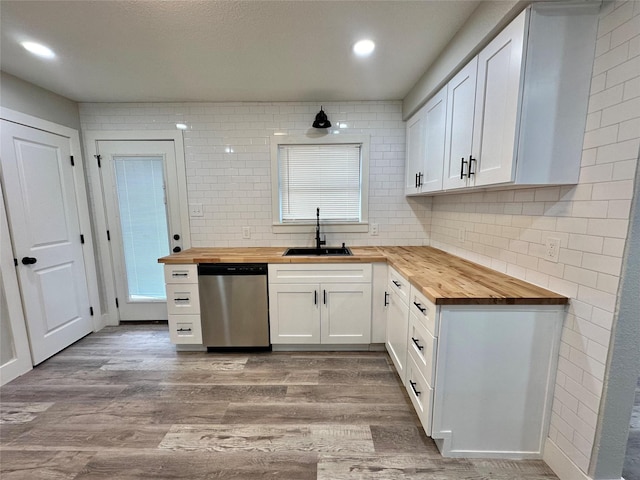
516	113
327	304
480	377
426	146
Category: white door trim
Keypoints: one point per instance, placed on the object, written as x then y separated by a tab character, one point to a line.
82	199
21	363
91	139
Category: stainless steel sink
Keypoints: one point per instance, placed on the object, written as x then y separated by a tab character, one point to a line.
324	251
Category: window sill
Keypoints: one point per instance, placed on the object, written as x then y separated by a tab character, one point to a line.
362	227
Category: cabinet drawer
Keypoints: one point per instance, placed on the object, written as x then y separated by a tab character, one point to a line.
319	273
180	274
422	347
183	299
421	394
424	310
399	284
185	329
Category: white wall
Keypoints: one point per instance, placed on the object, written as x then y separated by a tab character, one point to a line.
507	230
235	188
25	97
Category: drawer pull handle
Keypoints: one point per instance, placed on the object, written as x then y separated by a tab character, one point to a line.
181	299
415	340
413	387
386	299
179	274
397	284
184	330
420	307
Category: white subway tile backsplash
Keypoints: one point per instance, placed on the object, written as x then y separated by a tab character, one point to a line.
611	59
218	178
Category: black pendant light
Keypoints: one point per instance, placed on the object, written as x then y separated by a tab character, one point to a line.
321	120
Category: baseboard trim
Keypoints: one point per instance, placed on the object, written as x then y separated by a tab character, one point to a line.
562	465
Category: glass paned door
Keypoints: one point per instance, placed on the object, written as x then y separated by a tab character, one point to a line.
139	183
143	223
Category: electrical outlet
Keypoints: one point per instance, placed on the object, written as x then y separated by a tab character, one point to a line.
374	229
246	233
461	234
195	210
553	249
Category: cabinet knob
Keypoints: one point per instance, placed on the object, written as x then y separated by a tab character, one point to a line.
176	249
29	260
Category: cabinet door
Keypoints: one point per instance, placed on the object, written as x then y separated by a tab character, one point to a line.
346	313
397	331
461	96
294	313
415	153
497	99
435	119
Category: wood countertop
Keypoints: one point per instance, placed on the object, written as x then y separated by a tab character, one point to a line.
443	278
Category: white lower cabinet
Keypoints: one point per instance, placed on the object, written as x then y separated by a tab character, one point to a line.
397	328
420	393
183	304
294	315
328	304
480	377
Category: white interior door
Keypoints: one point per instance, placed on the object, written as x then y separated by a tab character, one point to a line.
38	179
15	354
139	183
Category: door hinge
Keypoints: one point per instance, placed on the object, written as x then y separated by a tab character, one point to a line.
91	311
98	157
108	236
117	305
15	262
73	164
81	238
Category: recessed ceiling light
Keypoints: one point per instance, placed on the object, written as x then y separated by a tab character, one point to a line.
38	49
364	48
181	126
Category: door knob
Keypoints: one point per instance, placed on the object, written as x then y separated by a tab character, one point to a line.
176	249
29	260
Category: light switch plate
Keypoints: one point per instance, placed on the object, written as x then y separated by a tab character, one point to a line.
374	229
195	210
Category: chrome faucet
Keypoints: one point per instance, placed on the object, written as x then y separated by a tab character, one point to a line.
319	242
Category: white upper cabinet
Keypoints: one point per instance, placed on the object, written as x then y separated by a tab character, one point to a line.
516	113
459	126
435	116
496	106
414	167
426	145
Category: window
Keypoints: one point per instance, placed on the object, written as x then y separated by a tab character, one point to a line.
327	172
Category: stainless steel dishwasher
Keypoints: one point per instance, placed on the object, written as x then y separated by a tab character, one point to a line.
234	305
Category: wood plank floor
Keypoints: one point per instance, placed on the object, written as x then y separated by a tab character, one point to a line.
122	404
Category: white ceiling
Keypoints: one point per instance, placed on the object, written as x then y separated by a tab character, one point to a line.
226	50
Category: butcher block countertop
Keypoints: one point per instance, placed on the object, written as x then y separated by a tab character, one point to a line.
443	278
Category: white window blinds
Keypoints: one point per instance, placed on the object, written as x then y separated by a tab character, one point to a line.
325	176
